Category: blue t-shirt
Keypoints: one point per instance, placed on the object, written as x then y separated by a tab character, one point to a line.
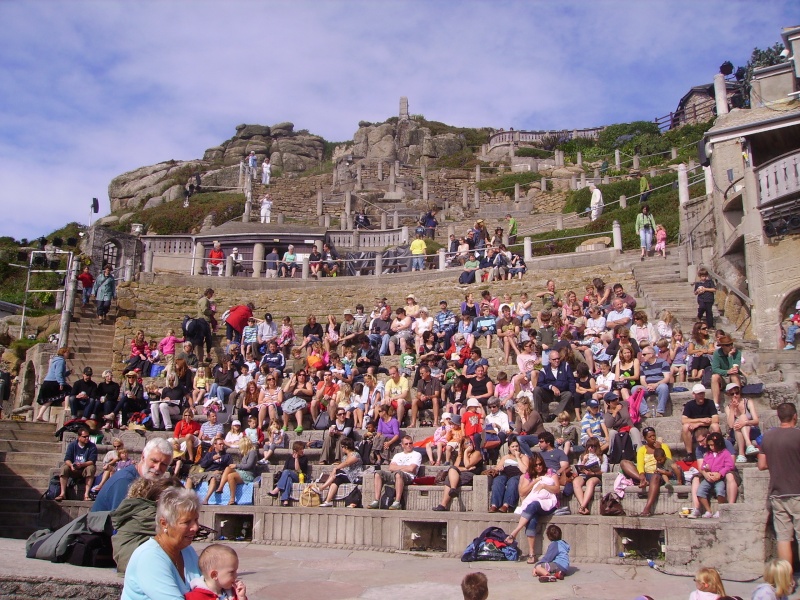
115	489
152	576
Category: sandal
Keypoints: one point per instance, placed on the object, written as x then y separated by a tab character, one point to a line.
285	503
492	509
231	502
59	498
531	559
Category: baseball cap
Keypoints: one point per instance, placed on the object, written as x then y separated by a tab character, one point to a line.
593	404
88	371
732	386
610	397
236	422
473	402
347	311
442	302
698	388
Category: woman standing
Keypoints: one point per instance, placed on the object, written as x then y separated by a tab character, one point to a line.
104	291
233	475
645	227
349	470
54	387
162	567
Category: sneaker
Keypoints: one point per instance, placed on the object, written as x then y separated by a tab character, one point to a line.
708	515
694	514
741	459
715	515
751	450
263	461
789	347
552	578
284	428
374	504
326	505
395	505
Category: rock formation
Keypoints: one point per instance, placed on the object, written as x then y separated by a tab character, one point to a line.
403	140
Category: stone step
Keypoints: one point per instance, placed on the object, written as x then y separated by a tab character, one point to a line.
30	445
21	429
16	532
16	460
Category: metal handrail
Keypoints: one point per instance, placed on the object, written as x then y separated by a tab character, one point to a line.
729	286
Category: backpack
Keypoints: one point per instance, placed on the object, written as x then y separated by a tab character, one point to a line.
354	497
622	449
610	506
323	421
92	550
387	497
489	545
53	488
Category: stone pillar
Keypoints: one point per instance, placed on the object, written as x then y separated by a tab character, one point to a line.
229	266
348	202
635	161
442	259
617	161
583	180
248	207
392	179
321	220
511	150
423	167
596	173
683	263
477	199
623	201
128	273
380	170
343	221
241	173
395	220
425	189
319	202
281	218
543	184
356	239
721	94
683	185
378	264
306	270
560	222
199	262
580	158
606	180
358	176
709	180
404	239
464	197
350	221
516	192
335	177
397	168
573	182
451	230
148	261
527	250
327	221
617	235
258	259
673	153
477	173
383	221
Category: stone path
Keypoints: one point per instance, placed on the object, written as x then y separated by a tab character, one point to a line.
313	573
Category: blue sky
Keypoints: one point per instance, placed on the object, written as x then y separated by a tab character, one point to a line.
92	89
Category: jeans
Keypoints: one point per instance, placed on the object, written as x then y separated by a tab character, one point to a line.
102	307
525	443
87	292
662	391
791	332
77	405
505	490
285	481
232	334
220	392
383	340
417	263
646	238
707	309
532	512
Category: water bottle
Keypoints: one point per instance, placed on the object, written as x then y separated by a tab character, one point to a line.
302	477
651	563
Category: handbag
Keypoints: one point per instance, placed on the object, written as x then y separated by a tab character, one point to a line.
610	506
309	498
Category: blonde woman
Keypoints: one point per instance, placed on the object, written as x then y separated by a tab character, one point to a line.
234	474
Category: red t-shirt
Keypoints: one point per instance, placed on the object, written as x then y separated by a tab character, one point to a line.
472	423
182	429
238	316
215	256
87	281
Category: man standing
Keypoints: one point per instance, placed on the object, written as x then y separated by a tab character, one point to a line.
271	261
156	456
697	413
418	248
79	463
444	325
512	230
402	470
252	162
555	382
596	203
655	378
780	453
430	223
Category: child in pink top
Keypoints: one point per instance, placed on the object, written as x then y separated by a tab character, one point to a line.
661	240
167	348
716	460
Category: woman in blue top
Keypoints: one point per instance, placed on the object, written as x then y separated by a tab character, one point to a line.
162	567
54	387
104	291
288	266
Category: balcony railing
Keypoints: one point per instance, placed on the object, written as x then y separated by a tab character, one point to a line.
779	178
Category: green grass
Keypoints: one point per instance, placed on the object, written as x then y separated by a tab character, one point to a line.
532	153
171	218
506	182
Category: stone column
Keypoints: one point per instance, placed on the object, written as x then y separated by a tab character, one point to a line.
606	180
383	221
673	153
683	263
380	170
465	197
573	182
721	94
635	161
334	175
596	173
343	221
248	207
306	270
527	250
617	160
516	192
392	179
319	202
356	239
451	230
258	259
511	150
442	259
709	180
423	167
583	180
683	185
327	221
128	273
241	174
653	172
148	261
477	173
580	158
477	199
395	220
281	218
617	235
348	202
543	184
229	266
425	189
358	176
559	222
404	238
350	221
378	264
199	262
397	168
321	220
623	201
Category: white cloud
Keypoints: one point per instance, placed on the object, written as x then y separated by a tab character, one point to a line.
106	87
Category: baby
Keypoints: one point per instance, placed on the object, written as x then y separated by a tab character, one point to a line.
219	565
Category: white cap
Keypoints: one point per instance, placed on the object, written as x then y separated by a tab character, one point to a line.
473	402
698	388
236	422
446	415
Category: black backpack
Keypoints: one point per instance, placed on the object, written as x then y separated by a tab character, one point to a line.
387	497
622	449
53	488
92	550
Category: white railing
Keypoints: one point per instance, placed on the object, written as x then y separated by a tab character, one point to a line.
168	245
779	177
507	137
367	238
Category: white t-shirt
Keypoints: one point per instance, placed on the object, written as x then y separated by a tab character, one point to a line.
404	459
499	420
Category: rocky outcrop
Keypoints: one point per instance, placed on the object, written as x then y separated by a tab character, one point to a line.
148	187
406	141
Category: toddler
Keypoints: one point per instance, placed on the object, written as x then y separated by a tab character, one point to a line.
661	240
567	433
709	585
253	432
665	467
219	567
286	336
276	438
439	440
555	562
167	348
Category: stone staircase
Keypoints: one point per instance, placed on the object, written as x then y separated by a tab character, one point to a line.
91	342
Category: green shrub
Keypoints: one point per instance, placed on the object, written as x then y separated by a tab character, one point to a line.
578	200
464	159
506	182
532	153
21	347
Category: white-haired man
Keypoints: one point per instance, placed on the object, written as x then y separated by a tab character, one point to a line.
156	456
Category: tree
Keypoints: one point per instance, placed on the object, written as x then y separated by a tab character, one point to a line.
744	75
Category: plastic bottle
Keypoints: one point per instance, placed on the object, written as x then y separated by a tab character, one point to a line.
302	477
